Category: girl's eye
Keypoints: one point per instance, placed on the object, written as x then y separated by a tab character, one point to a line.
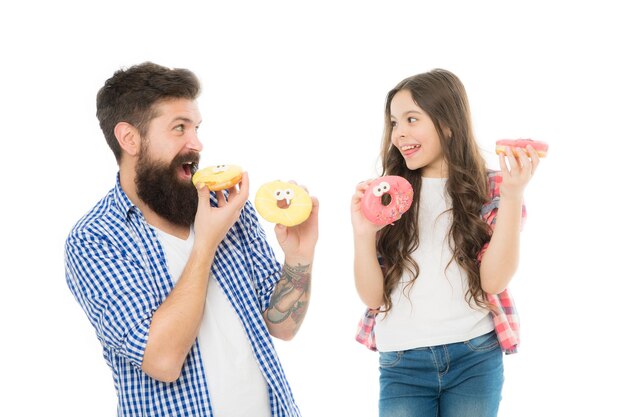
393	124
412	119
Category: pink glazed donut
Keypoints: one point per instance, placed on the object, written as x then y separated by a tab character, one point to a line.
397	189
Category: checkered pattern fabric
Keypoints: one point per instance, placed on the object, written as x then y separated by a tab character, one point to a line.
116	269
504	314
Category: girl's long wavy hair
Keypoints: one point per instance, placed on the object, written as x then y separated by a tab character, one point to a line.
442	96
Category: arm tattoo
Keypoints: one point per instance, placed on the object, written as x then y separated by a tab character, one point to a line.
291	295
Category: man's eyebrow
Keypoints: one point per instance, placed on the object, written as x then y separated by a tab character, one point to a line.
184	119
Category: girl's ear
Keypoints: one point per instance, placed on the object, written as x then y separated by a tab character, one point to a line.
446	132
128	137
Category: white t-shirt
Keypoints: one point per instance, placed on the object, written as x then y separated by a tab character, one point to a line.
236	385
434	310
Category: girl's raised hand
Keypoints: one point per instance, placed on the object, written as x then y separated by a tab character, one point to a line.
517	170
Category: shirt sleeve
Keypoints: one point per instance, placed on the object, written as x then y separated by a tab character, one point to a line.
113	291
265	268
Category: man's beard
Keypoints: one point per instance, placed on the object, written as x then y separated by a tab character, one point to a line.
160	188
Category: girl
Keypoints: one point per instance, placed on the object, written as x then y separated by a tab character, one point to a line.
435	281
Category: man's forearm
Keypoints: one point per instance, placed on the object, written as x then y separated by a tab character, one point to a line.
176	322
289	302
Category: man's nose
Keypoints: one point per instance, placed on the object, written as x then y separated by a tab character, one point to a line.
193	142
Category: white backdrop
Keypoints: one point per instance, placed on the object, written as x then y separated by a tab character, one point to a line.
295	90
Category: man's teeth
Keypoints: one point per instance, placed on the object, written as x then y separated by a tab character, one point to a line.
193	167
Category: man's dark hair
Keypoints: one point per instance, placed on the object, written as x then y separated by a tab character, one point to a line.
131	94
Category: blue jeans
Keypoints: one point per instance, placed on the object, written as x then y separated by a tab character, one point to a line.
459	379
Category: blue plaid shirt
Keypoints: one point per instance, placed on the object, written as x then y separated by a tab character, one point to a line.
117	271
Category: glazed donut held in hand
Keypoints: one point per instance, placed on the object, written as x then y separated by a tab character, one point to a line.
218	177
520	144
283	203
386	199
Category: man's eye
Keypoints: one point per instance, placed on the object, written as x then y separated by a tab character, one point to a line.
180	128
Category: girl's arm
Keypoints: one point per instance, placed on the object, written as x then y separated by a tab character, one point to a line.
501	258
368	276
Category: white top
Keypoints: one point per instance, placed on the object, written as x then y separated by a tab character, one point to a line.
434	310
236	385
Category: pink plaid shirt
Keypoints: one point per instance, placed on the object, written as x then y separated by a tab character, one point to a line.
504	314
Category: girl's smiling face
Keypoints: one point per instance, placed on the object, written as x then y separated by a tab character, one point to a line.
415	136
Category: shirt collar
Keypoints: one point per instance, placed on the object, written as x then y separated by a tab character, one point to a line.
125	206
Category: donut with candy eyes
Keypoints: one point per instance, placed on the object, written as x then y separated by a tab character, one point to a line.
283	203
386	199
218	177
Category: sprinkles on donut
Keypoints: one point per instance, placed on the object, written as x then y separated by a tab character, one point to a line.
386	199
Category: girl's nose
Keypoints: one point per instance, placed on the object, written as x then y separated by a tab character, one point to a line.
400	130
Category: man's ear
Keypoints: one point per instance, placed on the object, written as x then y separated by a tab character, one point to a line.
128	137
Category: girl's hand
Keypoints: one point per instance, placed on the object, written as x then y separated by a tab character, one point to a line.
360	225
518	172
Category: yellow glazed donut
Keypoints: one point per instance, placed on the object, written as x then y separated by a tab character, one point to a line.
283	203
218	177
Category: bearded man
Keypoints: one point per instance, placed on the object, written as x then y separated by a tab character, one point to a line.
180	283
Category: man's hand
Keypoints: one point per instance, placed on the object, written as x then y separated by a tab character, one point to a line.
175	324
212	223
298	242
